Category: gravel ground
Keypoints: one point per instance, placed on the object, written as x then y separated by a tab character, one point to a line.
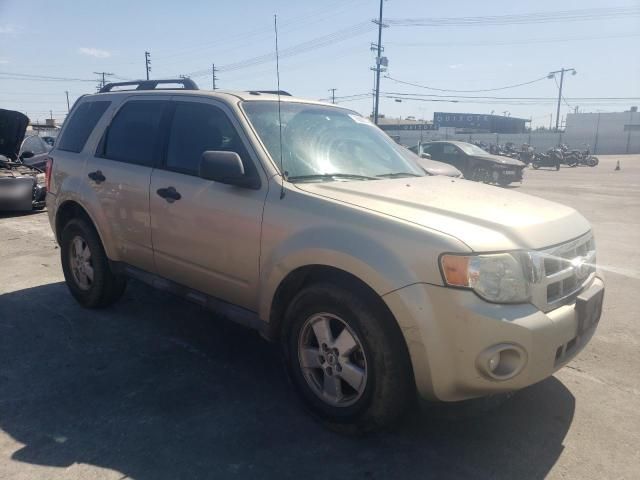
155	388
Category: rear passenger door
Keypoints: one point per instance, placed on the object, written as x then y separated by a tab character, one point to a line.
120	173
207	235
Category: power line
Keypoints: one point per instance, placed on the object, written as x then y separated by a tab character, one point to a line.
510	42
465	91
520	19
27	76
314	44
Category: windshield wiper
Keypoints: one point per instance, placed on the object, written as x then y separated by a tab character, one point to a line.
329	177
398	175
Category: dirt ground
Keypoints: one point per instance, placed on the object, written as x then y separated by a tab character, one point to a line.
156	388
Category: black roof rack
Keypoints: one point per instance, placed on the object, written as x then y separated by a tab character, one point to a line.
187	84
273	92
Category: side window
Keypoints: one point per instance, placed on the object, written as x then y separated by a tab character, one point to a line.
196	128
450	149
81	124
432	149
133	134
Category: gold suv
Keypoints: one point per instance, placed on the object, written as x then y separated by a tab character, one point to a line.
306	222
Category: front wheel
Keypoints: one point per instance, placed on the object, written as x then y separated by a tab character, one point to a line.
593	161
347	359
535	165
86	268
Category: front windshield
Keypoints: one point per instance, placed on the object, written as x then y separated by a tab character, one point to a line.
471	149
320	141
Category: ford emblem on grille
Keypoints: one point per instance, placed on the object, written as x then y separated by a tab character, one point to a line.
580	267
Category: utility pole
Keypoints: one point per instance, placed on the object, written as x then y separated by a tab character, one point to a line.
67	94
552	75
550	120
147	63
213	75
333	94
101	82
378	65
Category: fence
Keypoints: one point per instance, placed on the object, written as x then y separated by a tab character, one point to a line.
600	143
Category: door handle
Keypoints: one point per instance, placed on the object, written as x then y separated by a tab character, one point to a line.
170	194
97	176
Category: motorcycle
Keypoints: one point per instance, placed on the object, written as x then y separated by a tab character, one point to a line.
526	153
570	157
552	158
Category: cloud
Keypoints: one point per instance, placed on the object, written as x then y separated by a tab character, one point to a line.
94	52
3	61
7	29
455	65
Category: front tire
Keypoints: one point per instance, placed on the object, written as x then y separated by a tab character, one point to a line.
86	268
347	359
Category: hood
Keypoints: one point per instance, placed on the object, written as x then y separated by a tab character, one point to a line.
13	126
484	217
500	159
433	167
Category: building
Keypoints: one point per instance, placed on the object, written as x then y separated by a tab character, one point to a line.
613	133
479	123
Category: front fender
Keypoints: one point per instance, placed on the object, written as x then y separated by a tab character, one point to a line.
360	255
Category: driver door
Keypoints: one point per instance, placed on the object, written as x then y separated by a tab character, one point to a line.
454	156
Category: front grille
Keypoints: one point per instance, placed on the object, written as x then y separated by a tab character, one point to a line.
566	269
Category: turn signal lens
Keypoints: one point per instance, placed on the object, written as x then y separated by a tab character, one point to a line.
455	269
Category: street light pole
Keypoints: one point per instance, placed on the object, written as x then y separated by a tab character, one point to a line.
552	75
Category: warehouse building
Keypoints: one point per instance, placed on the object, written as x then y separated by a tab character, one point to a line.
479	123
613	133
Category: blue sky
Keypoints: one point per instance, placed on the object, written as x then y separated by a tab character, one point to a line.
73	39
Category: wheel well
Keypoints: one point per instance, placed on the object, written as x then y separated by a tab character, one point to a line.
310	274
66	212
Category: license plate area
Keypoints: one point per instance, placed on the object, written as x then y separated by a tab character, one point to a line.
589	308
509	172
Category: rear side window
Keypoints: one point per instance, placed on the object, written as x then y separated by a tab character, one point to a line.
133	134
80	126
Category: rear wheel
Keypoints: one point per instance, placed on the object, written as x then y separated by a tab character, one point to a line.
480	174
347	360
86	267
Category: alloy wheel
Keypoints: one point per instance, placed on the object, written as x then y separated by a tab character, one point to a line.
332	360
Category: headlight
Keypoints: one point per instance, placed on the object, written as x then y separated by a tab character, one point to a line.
499	278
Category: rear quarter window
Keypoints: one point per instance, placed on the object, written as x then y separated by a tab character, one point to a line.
81	124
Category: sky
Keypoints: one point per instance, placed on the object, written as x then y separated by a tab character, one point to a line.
325	45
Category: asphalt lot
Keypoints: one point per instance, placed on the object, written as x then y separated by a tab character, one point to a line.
155	388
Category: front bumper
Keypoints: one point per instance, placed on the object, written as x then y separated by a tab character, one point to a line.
448	330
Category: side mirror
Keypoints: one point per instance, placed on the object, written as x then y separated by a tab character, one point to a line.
27	154
425	155
227	168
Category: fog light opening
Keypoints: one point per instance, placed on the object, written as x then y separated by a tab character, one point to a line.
501	362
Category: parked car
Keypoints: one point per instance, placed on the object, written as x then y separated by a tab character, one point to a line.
34	151
474	162
432	167
302	220
49	140
22	187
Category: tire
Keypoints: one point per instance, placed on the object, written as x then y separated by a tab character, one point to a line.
91	282
535	165
593	161
374	383
480	174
